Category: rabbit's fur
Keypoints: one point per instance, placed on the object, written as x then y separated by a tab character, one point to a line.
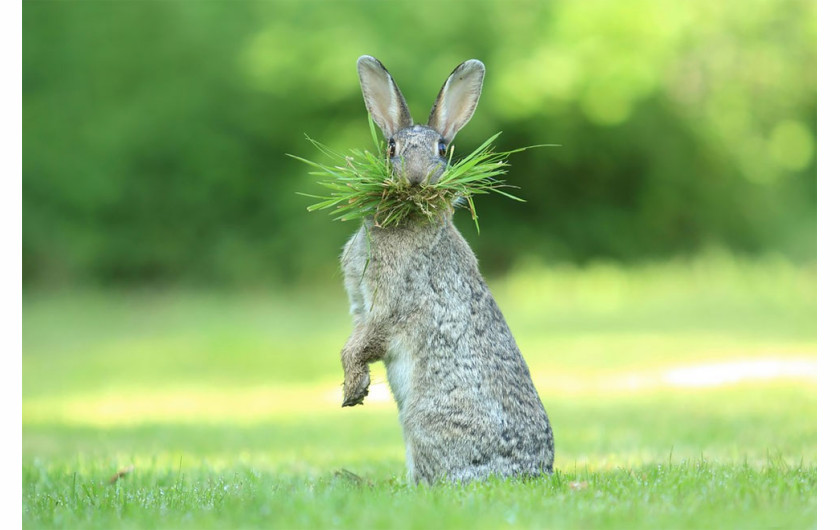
467	405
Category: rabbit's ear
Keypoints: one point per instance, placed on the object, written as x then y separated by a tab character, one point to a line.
383	98
457	99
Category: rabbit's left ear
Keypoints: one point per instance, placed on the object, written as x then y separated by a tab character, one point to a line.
457	99
383	98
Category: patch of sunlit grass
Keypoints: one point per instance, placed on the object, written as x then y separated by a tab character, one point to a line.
239	405
695	493
678	391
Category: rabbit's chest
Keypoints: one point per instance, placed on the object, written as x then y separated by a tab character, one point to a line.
399	367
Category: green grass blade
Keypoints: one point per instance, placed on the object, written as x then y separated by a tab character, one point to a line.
362	184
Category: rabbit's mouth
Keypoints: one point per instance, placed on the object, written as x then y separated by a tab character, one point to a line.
423	177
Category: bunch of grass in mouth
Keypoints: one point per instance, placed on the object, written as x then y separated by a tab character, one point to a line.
361	184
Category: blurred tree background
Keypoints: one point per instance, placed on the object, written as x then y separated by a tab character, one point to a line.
155	133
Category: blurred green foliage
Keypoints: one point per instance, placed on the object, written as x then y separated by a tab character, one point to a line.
155	133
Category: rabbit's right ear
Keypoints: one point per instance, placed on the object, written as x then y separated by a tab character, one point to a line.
457	99
383	99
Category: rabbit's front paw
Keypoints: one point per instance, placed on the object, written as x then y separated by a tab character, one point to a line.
356	388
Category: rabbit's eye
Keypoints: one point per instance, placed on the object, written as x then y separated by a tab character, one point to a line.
442	148
392	148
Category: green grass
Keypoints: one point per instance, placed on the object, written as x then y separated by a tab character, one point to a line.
362	183
694	494
227	407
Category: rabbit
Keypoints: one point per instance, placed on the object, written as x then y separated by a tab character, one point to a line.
467	405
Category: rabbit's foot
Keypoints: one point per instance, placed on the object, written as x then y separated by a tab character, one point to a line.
356	388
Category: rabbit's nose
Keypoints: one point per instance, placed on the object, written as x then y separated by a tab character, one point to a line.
416	176
415	180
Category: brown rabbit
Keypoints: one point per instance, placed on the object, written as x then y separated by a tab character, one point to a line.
467	405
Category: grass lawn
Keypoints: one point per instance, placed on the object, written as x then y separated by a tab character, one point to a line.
682	395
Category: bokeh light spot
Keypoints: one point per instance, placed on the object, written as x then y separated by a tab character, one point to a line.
791	145
606	104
